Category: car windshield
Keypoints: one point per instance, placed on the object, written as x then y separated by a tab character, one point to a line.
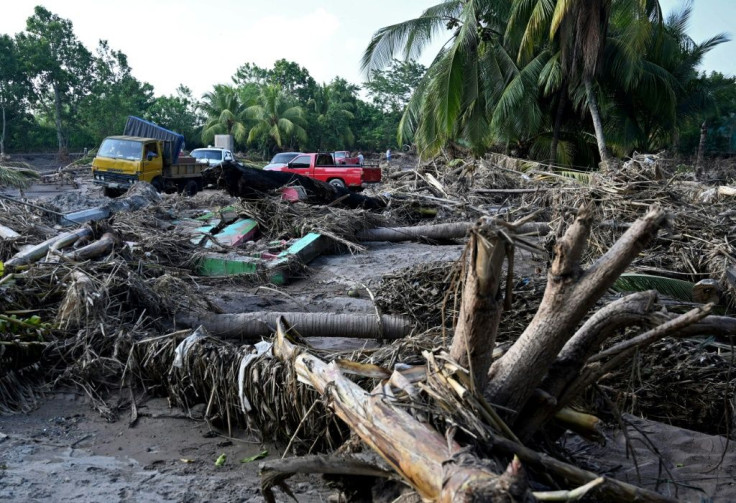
215	155
283	158
340	155
121	149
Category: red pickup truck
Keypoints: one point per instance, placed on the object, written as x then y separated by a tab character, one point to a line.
322	167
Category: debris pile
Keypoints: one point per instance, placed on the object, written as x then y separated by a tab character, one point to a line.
98	305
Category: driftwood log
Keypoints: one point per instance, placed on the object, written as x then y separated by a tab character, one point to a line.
39	251
102	246
454	230
435	466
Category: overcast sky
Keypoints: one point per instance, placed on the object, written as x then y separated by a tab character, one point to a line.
200	44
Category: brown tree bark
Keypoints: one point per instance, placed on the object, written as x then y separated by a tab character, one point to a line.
482	303
435	466
570	293
97	248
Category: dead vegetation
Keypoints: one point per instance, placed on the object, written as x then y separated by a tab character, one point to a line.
106	320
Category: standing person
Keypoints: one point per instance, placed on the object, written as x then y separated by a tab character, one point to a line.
388	155
360	158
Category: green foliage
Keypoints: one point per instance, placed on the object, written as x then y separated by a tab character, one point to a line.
391	89
13	86
675	288
24	327
331	116
114	95
59	69
275	122
178	113
225	114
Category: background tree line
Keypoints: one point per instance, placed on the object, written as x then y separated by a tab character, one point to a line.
56	94
565	81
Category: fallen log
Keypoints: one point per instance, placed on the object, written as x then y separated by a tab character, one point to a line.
40	250
435	466
97	248
260	324
455	230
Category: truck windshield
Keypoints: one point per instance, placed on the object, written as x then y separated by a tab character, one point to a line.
214	155
121	149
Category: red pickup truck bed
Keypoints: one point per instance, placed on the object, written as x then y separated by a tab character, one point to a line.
322	167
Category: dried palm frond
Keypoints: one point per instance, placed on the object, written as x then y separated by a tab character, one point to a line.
18	177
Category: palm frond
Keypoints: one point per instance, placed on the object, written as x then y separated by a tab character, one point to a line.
408	37
675	288
19	178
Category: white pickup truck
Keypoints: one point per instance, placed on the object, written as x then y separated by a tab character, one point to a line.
213	156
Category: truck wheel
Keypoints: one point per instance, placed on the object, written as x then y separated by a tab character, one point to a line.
190	188
336	182
110	192
158	184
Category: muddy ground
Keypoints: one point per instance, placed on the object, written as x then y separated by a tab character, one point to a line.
64	451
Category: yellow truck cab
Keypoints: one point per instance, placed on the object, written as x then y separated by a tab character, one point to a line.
123	160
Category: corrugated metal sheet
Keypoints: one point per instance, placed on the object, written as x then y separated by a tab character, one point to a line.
173	142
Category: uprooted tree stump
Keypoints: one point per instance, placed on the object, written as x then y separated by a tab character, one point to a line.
553	362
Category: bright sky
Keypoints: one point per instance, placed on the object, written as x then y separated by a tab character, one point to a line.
200	44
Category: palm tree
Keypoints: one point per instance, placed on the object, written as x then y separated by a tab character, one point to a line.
333	116
225	114
578	30
274	119
473	92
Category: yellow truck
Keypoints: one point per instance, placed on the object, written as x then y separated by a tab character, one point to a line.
146	152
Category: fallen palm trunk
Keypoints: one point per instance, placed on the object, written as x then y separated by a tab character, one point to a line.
40	250
435	466
455	230
260	324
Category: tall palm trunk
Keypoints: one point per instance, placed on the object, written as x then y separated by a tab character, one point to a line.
597	123
701	150
2	136
558	122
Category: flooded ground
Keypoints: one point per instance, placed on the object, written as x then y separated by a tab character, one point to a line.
65	451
